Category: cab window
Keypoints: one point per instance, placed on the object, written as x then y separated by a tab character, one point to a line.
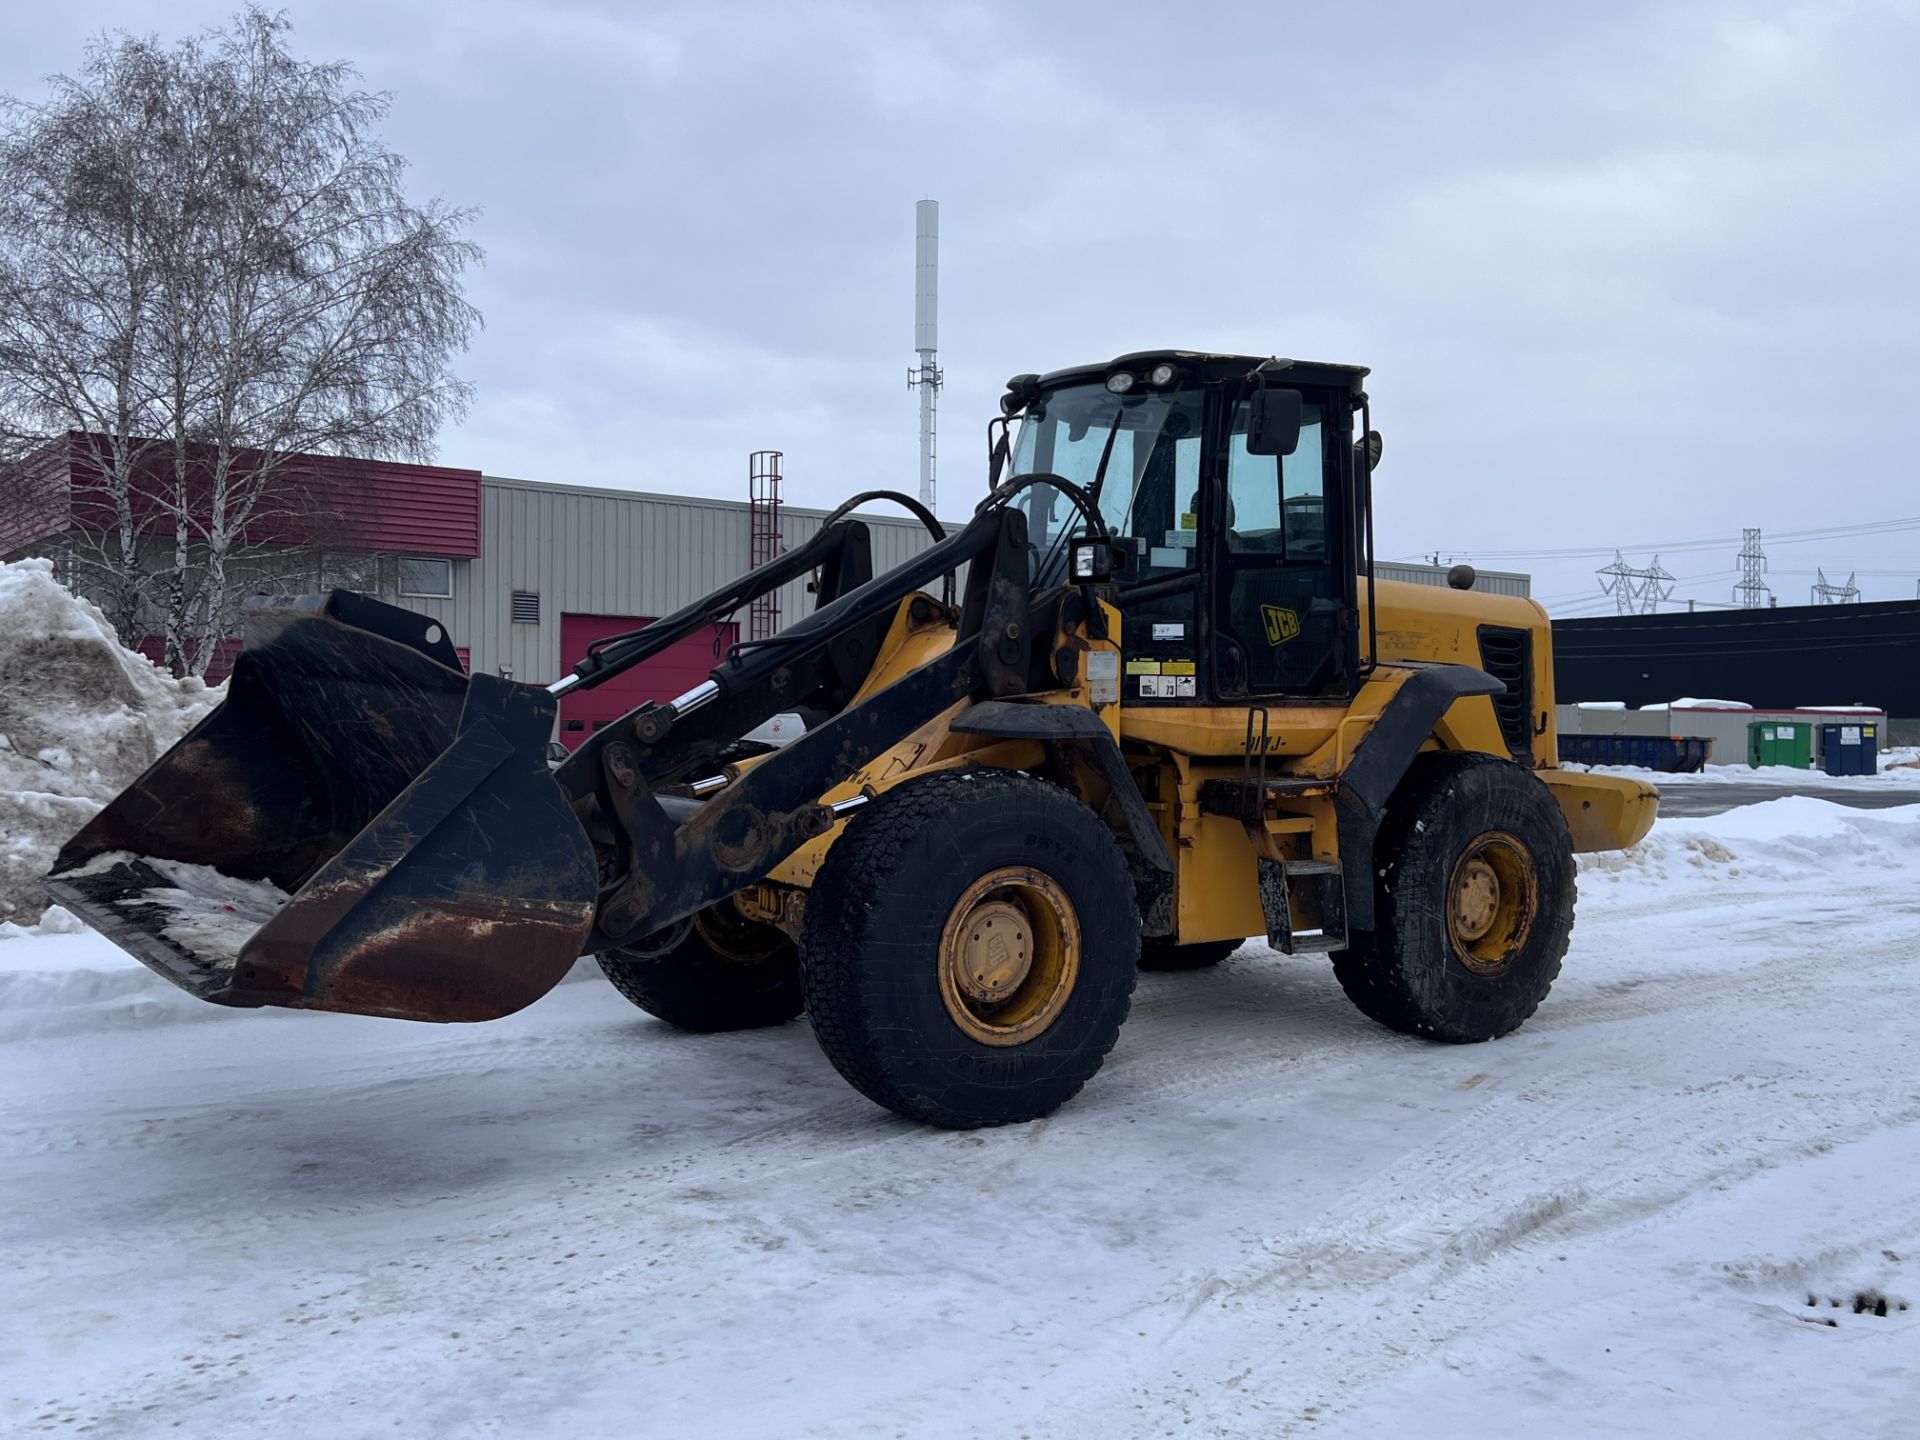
1277	504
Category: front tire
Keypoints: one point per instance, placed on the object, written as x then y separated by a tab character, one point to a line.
727	973
969	950
1473	902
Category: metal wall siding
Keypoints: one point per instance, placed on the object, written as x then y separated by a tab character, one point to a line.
1488	582
610	552
417	509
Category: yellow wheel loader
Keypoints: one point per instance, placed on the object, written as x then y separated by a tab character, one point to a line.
1149	701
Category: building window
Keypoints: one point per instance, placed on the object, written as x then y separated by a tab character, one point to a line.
426	577
526	607
359	573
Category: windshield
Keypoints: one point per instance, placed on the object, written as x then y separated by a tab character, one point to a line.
1153	472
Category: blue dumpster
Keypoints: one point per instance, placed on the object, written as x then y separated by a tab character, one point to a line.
1849	749
1670	754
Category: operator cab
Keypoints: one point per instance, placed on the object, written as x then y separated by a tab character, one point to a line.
1231	489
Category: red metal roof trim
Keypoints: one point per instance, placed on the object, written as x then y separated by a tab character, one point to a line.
330	501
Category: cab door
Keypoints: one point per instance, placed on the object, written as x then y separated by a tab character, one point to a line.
1284	600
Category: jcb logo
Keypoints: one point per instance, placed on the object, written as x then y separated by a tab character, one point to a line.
1282	624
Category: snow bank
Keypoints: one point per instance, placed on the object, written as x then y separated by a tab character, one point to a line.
80	717
1795	838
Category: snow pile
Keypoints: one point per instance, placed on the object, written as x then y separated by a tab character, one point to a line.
1795	839
80	717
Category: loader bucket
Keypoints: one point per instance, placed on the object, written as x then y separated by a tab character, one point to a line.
358	827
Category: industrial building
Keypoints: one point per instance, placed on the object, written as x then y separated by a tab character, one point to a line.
1490	582
1776	658
523	574
559	566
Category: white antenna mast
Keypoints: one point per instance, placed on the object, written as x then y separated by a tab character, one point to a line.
926	376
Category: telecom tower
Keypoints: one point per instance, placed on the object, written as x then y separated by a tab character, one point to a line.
926	377
1752	592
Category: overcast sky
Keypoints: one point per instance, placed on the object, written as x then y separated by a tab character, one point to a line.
1626	274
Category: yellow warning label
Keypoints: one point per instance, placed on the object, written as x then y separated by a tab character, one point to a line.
1189	520
1143	667
1176	667
1281	624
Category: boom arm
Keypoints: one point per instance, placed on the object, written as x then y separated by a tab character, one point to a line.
658	866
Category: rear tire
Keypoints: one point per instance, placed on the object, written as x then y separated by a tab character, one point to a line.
728	973
1473	902
1163	955
969	949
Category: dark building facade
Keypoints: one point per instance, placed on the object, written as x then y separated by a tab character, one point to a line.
1779	658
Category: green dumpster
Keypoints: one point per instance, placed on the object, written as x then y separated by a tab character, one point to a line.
1780	742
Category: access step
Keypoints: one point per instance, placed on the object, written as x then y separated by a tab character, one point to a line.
1327	898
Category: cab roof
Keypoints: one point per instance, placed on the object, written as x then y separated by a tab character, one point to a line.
1213	366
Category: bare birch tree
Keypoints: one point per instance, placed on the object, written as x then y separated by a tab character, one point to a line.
217	263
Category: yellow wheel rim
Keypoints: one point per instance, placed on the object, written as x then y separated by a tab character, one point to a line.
1009	956
732	936
1492	898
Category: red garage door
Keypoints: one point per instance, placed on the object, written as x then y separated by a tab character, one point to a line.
674	671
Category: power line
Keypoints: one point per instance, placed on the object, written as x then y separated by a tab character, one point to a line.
1780	537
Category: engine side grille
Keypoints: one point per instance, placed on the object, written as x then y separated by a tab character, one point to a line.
1507	655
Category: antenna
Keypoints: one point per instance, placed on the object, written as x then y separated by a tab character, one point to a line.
926	377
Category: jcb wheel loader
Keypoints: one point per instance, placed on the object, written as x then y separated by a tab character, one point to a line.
1169	706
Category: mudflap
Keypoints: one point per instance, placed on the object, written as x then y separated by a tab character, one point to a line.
359	827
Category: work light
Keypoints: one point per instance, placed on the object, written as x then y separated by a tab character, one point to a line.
1092	561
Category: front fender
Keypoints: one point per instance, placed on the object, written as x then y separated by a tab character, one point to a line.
1604	812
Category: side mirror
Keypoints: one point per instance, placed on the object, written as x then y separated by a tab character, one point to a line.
1366	453
1273	422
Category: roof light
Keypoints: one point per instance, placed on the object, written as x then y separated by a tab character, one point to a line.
1120	382
1161	375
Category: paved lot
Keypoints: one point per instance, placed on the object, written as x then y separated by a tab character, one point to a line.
1685	799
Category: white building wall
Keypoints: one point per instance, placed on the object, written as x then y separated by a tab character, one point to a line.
611	552
1486	582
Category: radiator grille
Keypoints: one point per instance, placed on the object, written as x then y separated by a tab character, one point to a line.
1507	655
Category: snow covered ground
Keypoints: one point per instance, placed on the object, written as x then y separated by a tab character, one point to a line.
1675	1203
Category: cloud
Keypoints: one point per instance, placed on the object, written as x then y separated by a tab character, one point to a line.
1631	273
